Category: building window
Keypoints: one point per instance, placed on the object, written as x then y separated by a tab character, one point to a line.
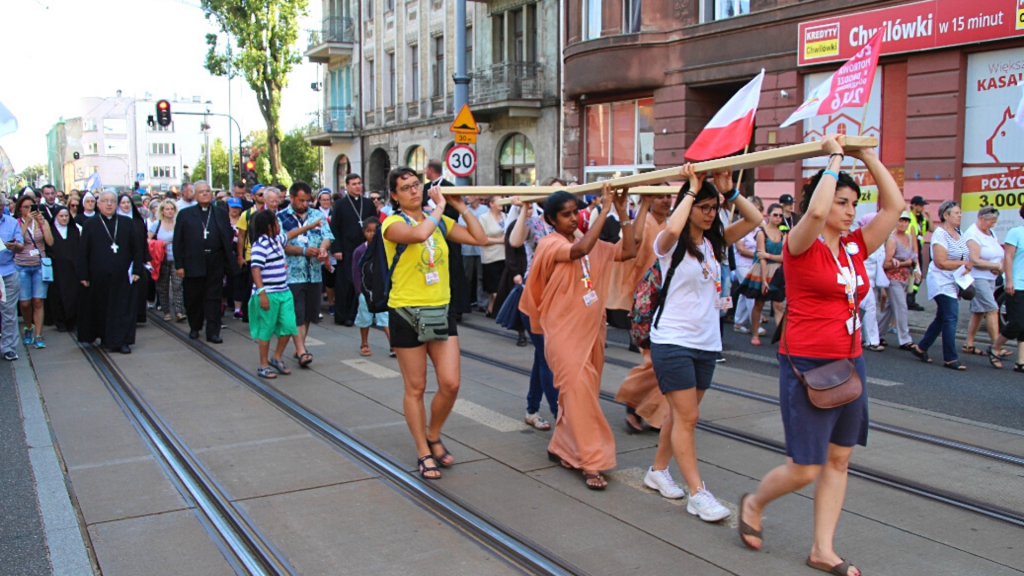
498	34
89	125
92	148
165	172
438	73
414	73
520	45
161	148
371	81
392	87
416	158
631	16
721	9
592	19
516	162
389	5
619	139
369	9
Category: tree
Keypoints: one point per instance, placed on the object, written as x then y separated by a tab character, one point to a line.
218	165
265	32
29	176
300	157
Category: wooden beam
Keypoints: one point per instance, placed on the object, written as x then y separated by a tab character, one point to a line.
750	160
532	197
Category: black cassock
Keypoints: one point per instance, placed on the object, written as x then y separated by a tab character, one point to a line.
65	289
107	309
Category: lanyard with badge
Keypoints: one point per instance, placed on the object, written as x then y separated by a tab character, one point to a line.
32	229
849	279
714	274
433	276
591	296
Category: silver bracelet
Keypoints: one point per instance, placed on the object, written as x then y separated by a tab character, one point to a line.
627	223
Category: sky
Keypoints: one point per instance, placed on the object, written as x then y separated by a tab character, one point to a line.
54	52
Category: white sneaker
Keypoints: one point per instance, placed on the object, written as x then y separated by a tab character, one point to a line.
761	331
704	505
661	480
741	329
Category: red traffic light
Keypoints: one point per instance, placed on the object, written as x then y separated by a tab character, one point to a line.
163	113
250	165
163	105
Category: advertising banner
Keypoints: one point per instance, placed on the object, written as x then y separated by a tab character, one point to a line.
993	141
848	87
910	28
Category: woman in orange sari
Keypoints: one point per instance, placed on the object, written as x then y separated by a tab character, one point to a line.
564	298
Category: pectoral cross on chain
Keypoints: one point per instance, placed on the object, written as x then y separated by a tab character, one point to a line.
113	247
206	234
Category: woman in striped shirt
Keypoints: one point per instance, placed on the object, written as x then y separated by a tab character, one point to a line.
36	232
271	307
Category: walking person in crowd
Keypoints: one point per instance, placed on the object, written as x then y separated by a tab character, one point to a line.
821	327
126	207
306	254
364	318
870	304
243	247
986	254
88	209
746	250
564	298
187	199
110	261
901	267
527	232
492	254
49	205
74	206
789	217
239	192
271	307
349	214
920	226
1013	267
686	340
10	235
767	260
236	290
168	284
37	234
64	290
949	252
471	258
324	201
203	255
420	285
639	391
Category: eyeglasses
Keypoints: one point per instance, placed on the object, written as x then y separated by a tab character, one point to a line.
708	208
259	195
375	198
776	215
410	187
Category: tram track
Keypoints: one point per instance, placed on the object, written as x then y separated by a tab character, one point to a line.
248	551
521	552
992	511
894	430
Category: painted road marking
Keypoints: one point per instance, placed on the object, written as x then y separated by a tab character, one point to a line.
371	368
488	417
310	341
769	360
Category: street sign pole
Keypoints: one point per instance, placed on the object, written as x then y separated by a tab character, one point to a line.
461	79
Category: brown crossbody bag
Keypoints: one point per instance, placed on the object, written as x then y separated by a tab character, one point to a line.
836	383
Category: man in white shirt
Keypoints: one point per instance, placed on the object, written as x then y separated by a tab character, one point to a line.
471	257
186	197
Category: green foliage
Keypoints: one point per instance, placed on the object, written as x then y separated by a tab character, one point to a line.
28	176
265	32
301	158
218	165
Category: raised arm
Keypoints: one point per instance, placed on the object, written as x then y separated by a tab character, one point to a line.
641	219
751	219
589	240
629	242
1009	251
668	238
473	232
890	201
813	222
519	232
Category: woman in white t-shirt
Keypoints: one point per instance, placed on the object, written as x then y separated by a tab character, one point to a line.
949	253
685	337
746	248
492	254
168	286
987	256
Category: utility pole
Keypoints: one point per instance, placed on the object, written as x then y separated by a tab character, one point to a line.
461	79
231	162
209	167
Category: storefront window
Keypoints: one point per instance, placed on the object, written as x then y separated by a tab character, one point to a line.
619	139
516	162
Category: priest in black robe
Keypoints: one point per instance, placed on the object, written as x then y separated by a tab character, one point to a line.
347	217
456	270
110	260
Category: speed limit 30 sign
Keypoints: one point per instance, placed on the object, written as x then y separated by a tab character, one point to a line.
461	160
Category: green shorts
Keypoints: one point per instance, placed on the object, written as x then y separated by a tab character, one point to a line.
278	320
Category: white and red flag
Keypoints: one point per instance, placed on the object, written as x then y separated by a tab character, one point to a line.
848	87
730	129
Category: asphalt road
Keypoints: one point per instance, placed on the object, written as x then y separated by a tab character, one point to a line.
22	542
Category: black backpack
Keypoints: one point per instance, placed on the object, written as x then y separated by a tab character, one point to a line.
377	272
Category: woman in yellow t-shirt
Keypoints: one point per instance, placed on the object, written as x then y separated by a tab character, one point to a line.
421	279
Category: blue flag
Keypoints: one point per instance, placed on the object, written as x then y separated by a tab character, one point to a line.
8	123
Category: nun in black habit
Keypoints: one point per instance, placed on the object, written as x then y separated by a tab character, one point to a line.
143	285
109	246
65	289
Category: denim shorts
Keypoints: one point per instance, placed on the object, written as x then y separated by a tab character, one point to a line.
30	280
682	368
365	318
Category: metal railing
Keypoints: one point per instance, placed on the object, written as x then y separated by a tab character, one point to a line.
341	119
333	30
507	81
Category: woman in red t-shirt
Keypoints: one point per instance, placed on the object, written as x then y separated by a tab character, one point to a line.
827	280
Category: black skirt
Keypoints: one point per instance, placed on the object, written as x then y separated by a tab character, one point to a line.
492	276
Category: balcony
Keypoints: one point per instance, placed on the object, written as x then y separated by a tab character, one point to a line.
514	89
333	126
333	43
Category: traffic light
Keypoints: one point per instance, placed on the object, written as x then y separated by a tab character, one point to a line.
163	113
249	175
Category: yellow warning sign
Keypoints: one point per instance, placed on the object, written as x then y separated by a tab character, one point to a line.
464	122
461	138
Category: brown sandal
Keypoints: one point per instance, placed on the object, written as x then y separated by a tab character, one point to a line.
364	350
746	529
841	569
587	478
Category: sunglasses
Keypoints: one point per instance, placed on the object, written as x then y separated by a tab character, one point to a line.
375	198
776	215
73	205
260	195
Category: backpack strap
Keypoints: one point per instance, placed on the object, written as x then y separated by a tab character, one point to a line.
677	257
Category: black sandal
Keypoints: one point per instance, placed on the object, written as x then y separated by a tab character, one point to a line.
445	454
422	463
746	529
954	365
630	428
1018	367
994	359
921	354
907	346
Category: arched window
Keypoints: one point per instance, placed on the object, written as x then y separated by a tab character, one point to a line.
516	162
416	158
342	167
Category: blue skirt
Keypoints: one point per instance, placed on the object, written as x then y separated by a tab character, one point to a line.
508	316
810	430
